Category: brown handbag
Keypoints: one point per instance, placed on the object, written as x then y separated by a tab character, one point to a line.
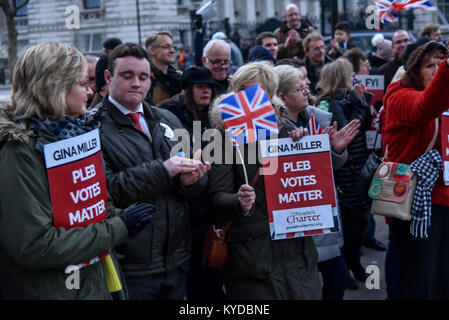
215	248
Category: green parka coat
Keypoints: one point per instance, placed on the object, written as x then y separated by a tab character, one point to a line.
33	253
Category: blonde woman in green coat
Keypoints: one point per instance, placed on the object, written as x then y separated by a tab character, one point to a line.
50	92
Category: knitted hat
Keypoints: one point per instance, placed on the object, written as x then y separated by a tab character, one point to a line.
415	51
385	50
101	66
260	53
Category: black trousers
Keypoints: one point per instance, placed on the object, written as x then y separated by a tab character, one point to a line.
355	225
424	263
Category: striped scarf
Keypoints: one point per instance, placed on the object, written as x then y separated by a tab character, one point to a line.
428	168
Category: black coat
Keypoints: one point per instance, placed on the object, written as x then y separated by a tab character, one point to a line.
345	110
135	172
200	215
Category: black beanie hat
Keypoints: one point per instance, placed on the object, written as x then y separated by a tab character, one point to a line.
260	53
101	66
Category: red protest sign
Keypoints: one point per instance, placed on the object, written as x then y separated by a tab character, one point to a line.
300	194
77	183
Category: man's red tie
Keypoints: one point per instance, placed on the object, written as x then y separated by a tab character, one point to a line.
135	118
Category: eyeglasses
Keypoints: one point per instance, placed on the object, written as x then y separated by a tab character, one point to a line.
304	90
166	47
84	83
219	63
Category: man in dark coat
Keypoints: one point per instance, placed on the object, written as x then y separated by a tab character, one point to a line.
164	77
136	144
316	58
291	33
400	40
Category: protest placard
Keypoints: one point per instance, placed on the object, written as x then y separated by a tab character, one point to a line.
300	196
77	182
376	85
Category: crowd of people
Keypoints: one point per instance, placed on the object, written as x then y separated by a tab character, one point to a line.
161	204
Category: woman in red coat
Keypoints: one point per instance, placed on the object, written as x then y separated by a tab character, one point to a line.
412	105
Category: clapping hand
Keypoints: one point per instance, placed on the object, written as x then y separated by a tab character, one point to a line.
199	169
339	139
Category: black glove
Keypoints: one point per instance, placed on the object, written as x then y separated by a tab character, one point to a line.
137	217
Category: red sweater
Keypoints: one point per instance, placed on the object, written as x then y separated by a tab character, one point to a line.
410	122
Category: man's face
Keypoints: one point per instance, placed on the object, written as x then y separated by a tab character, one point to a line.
218	61
400	42
131	81
436	35
271	44
316	52
162	52
292	16
341	36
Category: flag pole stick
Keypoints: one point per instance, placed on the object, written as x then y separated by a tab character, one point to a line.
243	165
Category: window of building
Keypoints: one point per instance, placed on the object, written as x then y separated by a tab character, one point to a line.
92	4
91	42
22	11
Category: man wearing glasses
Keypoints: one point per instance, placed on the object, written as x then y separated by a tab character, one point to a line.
400	41
217	58
316	58
165	78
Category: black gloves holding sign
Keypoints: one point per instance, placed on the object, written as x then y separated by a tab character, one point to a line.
137	217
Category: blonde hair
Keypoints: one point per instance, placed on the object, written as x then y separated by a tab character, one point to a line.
314	36
43	76
334	76
256	71
287	76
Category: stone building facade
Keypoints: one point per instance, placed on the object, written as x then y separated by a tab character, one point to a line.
53	20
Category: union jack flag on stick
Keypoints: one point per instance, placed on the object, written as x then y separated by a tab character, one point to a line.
248	116
388	10
313	126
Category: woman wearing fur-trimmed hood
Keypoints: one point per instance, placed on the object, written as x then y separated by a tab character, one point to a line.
257	267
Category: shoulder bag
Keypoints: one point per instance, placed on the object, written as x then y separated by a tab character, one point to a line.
215	248
393	187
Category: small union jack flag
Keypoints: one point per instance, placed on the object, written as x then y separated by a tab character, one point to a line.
313	126
388	10
248	116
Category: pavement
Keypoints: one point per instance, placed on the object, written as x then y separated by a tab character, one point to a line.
374	290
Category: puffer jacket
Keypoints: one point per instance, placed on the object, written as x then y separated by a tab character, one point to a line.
33	253
346	107
135	172
287	268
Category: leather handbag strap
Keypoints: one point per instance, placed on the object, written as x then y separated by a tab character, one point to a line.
435	135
